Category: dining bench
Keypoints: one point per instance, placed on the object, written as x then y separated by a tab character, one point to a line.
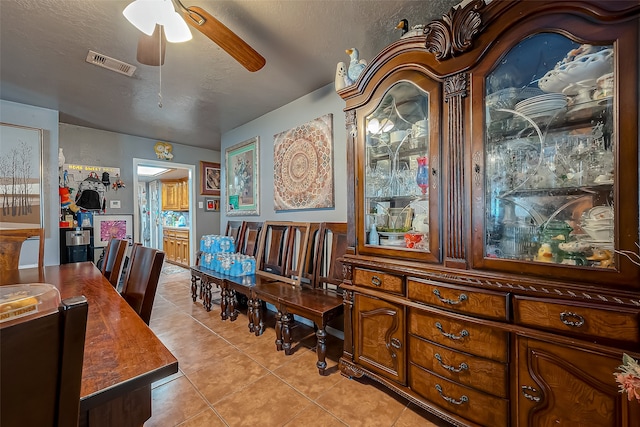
297	272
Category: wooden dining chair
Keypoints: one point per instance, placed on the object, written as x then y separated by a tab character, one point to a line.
41	367
113	259
141	280
234	229
249	238
11	241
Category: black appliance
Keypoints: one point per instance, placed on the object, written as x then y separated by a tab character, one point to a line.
76	244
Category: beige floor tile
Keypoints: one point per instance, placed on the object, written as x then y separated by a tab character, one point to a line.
230	377
414	416
361	404
301	373
315	416
174	402
268	402
202	353
227	375
206	418
167	379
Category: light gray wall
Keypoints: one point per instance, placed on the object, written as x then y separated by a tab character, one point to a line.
47	120
87	146
318	103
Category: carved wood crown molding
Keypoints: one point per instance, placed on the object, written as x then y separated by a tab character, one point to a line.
453	33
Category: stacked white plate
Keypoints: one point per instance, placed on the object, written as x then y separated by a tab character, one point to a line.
542	105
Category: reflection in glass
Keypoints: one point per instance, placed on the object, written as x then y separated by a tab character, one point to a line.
397	136
549	153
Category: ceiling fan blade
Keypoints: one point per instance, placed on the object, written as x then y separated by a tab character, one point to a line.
151	48
223	37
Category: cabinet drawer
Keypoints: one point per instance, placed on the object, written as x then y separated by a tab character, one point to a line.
482	374
474	338
378	280
182	234
586	320
466	402
488	304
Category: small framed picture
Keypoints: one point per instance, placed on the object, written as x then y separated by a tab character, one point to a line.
210	179
212	205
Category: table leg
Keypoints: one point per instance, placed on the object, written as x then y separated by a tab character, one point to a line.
207	296
321	349
194	287
257	317
233	313
287	320
223	302
278	330
250	314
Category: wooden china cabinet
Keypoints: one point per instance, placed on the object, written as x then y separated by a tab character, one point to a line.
493	162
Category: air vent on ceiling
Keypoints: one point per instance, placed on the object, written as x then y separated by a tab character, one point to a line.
109	63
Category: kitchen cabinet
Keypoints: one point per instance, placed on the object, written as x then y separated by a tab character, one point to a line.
184	195
175	195
493	162
176	245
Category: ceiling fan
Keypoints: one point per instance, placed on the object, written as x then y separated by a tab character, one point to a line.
152	43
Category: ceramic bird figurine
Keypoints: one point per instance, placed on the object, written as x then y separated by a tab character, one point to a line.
416	30
404	26
356	65
341	79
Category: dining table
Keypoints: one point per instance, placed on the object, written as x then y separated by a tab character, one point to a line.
122	355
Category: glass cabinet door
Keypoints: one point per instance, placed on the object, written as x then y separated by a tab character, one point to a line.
398	167
549	154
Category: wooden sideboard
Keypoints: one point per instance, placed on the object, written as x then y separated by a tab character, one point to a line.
175	242
515	305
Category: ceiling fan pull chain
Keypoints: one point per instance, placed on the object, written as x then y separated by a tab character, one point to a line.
160	69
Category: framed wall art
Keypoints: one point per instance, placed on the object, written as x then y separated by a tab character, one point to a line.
243	176
107	227
210	176
20	177
303	166
212	205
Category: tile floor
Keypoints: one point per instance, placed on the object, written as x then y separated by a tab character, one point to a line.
229	377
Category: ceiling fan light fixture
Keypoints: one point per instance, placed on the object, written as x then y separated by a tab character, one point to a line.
142	14
175	29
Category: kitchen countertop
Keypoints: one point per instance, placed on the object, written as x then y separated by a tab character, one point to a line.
175	228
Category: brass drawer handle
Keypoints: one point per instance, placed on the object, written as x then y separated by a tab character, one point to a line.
571	319
526	389
463	333
461	298
463	366
463	398
376	281
395	343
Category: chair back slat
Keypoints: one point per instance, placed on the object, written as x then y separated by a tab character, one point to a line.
113	260
141	282
234	229
11	241
249	238
282	251
331	246
308	270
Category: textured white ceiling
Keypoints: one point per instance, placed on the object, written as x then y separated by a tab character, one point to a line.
205	93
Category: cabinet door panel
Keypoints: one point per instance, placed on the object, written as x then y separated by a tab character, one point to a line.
550	183
564	386
380	332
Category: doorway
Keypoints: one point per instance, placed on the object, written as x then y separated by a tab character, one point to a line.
148	215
